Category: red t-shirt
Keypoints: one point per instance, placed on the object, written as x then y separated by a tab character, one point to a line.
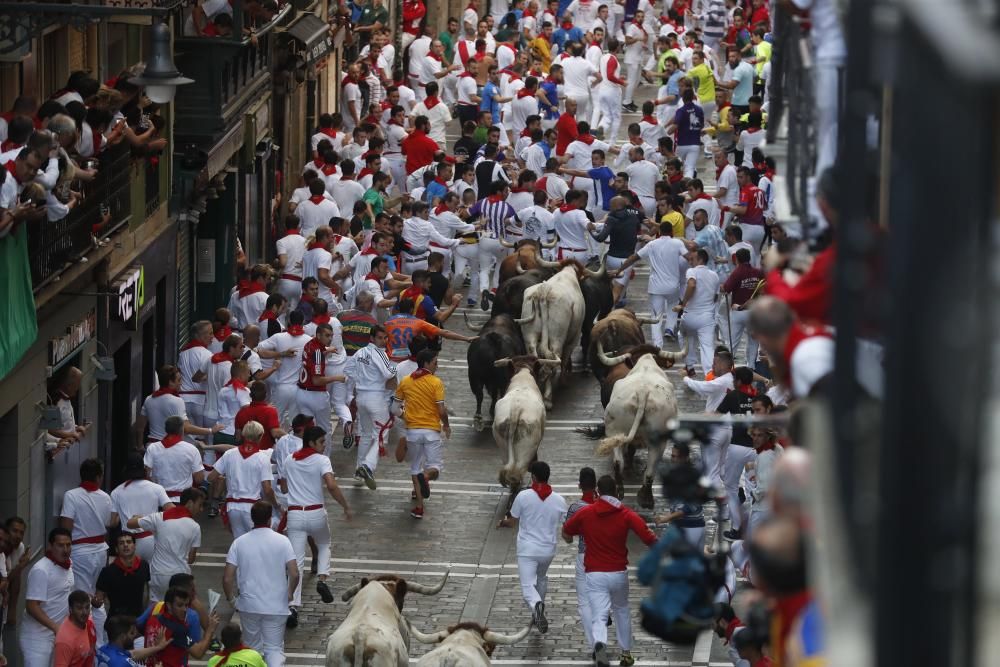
811	297
566	133
176	652
604	527
741	282
756	201
419	150
263	413
75	646
313	365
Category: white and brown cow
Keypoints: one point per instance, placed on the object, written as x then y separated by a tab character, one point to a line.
641	404
374	634
463	645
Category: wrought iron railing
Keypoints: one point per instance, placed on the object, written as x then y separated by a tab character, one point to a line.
54	246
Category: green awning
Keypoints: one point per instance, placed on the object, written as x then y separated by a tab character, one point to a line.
17	301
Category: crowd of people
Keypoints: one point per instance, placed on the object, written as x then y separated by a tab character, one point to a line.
387	228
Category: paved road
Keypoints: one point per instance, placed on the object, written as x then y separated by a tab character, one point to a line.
458	532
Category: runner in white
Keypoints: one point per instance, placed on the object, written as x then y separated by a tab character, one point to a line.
287	346
290	249
247	472
166	402
178	537
137	496
192	360
46	600
371	376
173	463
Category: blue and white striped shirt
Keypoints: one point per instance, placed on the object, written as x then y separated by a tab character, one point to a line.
495	211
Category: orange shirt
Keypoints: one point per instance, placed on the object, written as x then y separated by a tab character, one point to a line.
75	646
400	330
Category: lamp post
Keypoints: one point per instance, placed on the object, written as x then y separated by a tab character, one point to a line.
161	77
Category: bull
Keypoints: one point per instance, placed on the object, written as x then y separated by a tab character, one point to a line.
551	320
374	634
519	421
510	295
463	645
524	258
620	331
641	404
499	338
598	301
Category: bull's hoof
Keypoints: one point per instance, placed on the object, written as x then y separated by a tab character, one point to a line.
645	497
477	423
591	432
548	403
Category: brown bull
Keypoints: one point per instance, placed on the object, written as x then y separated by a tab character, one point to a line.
621	330
524	258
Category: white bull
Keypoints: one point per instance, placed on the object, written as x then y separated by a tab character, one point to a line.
640	406
463	645
374	634
519	419
551	320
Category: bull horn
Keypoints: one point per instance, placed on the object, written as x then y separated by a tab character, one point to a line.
501	639
518	267
505	243
351	592
432	638
529	318
499	363
550	244
428	590
674	356
596	274
649	320
550	362
546	264
610	361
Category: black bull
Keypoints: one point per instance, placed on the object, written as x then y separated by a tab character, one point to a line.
499	338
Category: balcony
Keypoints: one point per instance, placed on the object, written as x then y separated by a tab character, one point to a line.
230	76
54	246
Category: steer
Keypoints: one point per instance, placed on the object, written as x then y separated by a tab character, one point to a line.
551	320
463	645
524	258
374	634
499	338
641	404
510	295
519	421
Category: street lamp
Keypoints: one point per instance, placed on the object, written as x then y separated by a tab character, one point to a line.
160	78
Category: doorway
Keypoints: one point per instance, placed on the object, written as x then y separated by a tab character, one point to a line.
122	414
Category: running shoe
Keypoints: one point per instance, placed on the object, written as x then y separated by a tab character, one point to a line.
626	659
324	592
732	535
601	655
538	616
292	621
484	300
348	440
425	487
417	512
367	477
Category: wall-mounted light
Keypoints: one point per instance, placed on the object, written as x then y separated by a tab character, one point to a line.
161	77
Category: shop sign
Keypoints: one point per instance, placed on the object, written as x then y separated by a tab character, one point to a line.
130	289
76	336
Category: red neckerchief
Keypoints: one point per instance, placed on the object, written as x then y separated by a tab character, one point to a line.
434	57
766	447
177	512
524	92
373	276
567	25
329	169
746	389
295	330
128	569
316	245
318	162
719	170
308	298
90	487
13	172
226	652
468	74
267	315
538	74
193	344
440	208
796	335
431	101
751	130
305	452
9	145
639	26
494	199
649	119
328	131
369	251
246	451
676	178
586	138
528	13
597	44
419	373
365	172
731	628
170	440
513	190
348	79
64	564
385	104
441	181
703	196
411	293
321	319
514	76
252	288
220	357
293	232
162	391
525	132
542	489
317	199
589	497
566	208
235	384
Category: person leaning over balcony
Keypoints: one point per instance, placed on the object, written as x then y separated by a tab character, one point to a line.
18	174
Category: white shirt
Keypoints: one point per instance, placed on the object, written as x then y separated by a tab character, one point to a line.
711	208
287	445
350	93
231	400
593	56
635	50
537	221
467	87
138	497
211	9
419	233
312	262
584	13
191	361
394	135
706	287
811	360
713	390
51	585
251	307
643	176
539	522
293	247
156	410
555	187
419	49
448	223
259	556
534	159
571	226
439	117
91	514
577	72
346	194
728	180
520	109
244	476
664	258
312	216
174	540
288	371
650	133
747	142
218	375
305	478
580	153
173	467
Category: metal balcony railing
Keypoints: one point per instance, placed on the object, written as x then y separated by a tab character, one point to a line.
54	246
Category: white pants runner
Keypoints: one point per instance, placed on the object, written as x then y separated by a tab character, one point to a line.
754	235
373	425
424	450
533	573
316	404
467	255
608	593
632	71
689	156
613	263
291	290
739	323
491	253
158	584
265	633
607	111
86	568
583	602
144	547
37	652
714	453
582	105
663	304
397	169
413	263
238	515
303	524
702	327
737	457
284	398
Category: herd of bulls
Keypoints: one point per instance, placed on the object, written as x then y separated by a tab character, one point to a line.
541	312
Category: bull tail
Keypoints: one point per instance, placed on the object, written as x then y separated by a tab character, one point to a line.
543	306
359	647
613	442
509	475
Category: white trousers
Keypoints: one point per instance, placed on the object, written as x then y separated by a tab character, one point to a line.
714	453
158	584
689	155
608	593
533	573
303	524
240	522
144	547
737	457
316	404
373	426
695	536
37	652
410	265
613	263
265	633
397	169
337	391
663	304
700	326
607	111
739	323
632	71
582	105
491	253
467	255
195	413
583	602
827	82
754	235
648	206
291	290
284	397
86	568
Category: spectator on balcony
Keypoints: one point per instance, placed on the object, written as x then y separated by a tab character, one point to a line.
66	132
98	133
80	87
65	390
202	14
220	26
19	130
47	111
18	175
140	130
24	107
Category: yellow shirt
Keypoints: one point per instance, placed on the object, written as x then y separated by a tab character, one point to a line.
763	54
706	82
543	50
420	397
676	220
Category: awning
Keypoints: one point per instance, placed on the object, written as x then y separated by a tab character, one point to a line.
314	35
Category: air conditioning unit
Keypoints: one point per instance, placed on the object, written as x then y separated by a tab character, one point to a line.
206	261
